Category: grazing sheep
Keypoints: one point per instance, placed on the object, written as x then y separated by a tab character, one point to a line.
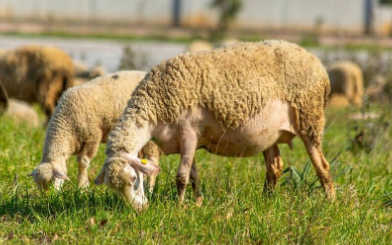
346	79
19	111
82	120
82	71
338	101
36	74
236	101
198	45
227	42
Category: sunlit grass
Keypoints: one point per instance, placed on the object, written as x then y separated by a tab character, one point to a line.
235	211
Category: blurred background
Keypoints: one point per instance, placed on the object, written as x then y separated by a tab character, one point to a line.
103	36
178	22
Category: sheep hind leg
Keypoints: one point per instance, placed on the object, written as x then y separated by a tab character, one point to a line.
274	168
321	166
194	177
188	149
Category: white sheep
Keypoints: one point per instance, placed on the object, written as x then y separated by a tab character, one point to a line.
235	101
82	120
199	45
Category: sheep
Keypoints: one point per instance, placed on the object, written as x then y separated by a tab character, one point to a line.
199	45
82	70
19	111
82	120
338	101
235	101
226	42
346	79
36	74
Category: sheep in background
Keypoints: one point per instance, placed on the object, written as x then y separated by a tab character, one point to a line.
82	120
37	74
226	42
347	79
236	101
198	45
19	111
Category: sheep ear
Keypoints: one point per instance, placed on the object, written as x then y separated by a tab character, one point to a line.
60	174
145	166
101	176
32	173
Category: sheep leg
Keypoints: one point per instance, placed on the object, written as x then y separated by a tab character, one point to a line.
84	159
152	152
194	177
83	164
274	168
188	149
321	166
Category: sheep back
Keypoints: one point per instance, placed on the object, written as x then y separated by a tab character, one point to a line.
235	83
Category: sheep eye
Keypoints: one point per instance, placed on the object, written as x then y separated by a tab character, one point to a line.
133	179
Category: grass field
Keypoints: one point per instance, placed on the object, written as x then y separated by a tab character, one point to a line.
234	210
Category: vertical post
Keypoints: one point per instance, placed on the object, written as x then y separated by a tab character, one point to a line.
176	13
369	5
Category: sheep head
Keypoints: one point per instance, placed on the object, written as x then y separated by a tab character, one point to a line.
124	175
45	173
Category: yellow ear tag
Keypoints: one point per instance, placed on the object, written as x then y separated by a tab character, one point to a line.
144	161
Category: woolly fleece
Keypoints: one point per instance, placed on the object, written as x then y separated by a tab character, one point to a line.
234	83
86	114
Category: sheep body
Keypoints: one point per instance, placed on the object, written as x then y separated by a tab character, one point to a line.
36	74
347	79
234	101
82	120
234	83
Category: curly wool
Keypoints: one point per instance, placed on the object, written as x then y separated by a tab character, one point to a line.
347	79
234	83
36	74
87	113
114	167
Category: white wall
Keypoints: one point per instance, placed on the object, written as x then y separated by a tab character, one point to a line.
335	15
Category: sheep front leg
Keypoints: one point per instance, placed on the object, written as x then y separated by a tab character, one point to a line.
88	152
321	166
274	168
196	185
188	148
83	164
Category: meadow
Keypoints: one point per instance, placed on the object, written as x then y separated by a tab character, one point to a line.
234	211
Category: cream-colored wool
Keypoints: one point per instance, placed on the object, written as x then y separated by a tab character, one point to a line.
199	45
347	79
85	115
338	101
234	83
36	74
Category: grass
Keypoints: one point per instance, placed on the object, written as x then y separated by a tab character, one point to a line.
234	210
102	36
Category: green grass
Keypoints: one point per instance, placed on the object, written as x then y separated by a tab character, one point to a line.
102	36
234	210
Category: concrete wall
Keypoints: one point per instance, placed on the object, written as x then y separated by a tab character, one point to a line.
333	15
